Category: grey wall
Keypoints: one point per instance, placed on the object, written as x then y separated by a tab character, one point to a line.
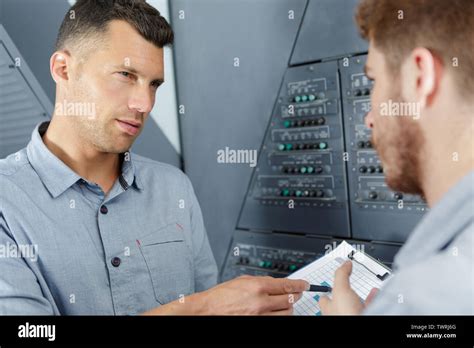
33	26
227	105
152	143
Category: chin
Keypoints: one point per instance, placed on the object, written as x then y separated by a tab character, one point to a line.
394	182
122	149
116	148
403	181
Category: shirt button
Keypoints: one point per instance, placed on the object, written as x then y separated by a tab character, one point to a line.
116	261
104	210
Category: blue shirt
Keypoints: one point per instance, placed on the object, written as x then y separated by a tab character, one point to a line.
67	248
434	270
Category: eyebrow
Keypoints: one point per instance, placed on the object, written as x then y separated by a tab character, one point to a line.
158	81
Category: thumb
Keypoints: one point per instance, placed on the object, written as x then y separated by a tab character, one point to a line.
341	278
371	296
324	303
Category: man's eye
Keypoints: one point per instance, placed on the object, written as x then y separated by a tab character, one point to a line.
124	73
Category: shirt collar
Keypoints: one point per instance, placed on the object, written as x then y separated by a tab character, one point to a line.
129	171
57	176
441	225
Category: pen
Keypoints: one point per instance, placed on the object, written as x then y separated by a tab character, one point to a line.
319	288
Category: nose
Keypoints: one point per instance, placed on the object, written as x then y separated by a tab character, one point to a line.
369	122
142	100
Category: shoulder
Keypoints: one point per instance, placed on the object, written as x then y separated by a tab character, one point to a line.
441	284
151	172
13	163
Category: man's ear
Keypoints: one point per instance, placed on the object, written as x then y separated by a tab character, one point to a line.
59	66
420	77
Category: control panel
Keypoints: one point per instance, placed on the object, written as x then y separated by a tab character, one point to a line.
300	182
278	255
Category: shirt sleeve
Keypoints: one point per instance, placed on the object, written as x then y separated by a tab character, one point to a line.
205	266
441	284
20	292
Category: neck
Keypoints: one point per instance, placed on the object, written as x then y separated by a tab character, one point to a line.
447	164
102	168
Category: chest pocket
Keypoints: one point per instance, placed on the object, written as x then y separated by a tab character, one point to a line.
168	261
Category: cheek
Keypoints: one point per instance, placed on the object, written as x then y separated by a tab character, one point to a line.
110	95
112	88
377	100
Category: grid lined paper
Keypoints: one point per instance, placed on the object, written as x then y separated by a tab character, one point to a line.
321	272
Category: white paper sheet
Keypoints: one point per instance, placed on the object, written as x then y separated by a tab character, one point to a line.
321	272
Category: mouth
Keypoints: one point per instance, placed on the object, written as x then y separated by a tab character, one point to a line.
129	126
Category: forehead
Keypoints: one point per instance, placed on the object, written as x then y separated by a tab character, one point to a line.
123	44
375	57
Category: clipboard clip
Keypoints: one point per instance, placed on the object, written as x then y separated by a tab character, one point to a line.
379	276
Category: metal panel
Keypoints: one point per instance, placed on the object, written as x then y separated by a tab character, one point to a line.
278	255
328	31
299	184
33	26
23	103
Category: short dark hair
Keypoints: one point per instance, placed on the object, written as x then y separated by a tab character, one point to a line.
89	18
444	27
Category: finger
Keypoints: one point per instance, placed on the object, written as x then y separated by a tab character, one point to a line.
341	278
244	276
292	298
279	302
296	296
371	296
324	303
279	286
288	311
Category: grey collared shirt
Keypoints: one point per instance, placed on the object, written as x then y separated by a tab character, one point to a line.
67	248
434	271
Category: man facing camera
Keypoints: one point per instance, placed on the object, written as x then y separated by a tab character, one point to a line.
110	232
421	53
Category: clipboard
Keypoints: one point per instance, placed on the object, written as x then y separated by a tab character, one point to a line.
367	273
382	277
